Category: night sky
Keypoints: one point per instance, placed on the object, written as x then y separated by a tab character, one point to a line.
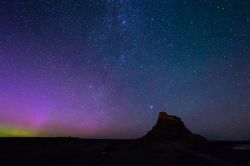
106	68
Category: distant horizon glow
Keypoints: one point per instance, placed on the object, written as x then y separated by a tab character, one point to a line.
106	68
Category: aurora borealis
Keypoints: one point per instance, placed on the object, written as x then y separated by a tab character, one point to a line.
105	68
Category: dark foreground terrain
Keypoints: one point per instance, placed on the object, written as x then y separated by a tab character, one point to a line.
90	152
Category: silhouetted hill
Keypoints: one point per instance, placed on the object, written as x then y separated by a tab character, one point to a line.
171	128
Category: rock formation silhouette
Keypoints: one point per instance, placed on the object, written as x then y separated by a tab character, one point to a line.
171	128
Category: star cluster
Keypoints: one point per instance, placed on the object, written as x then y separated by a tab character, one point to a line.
105	68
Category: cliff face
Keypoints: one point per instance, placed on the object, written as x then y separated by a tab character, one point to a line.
169	127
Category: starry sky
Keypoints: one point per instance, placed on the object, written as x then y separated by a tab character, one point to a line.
106	68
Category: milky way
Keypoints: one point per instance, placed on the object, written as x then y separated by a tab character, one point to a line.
105	68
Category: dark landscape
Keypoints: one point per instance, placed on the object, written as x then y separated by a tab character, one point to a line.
172	144
73	151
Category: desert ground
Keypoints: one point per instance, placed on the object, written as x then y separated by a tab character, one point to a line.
93	152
